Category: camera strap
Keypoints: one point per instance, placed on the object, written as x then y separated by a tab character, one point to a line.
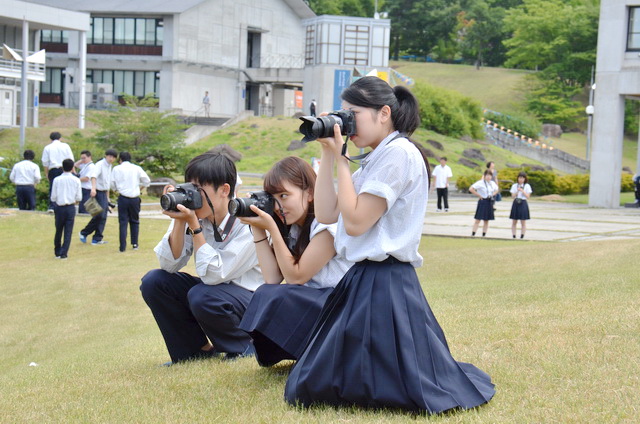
362	156
227	228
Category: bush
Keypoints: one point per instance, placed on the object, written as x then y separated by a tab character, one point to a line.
463	182
448	112
530	127
627	184
573	184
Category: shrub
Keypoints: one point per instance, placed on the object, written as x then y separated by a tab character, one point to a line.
524	125
627	184
448	112
8	189
463	182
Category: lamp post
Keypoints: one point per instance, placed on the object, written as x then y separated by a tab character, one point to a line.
589	111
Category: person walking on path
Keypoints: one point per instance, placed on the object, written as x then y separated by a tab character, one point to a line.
127	179
520	191
86	168
52	156
26	176
442	174
377	343
486	190
65	193
312	107
100	185
206	104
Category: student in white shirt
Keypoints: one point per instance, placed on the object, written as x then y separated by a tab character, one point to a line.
26	176
520	191
100	185
65	193
199	316
442	174
86	169
280	317
377	344
127	179
52	156
485	189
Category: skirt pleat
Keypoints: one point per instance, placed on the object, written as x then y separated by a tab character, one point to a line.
484	210
520	210
377	344
280	318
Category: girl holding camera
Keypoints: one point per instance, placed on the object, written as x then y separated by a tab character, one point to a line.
520	191
377	343
486	189
280	317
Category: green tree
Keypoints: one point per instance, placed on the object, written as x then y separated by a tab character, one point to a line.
154	138
480	33
362	8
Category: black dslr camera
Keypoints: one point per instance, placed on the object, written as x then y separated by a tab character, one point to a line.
184	194
240	207
313	128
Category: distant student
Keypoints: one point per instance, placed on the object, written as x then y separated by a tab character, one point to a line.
85	169
26	176
206	104
127	179
485	189
442	174
65	193
312	107
491	166
520	191
52	156
100	185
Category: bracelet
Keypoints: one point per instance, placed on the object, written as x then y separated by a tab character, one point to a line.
261	240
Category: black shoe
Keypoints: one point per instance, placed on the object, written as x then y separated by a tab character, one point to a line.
63	256
134	246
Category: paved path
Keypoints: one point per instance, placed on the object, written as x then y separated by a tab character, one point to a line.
550	221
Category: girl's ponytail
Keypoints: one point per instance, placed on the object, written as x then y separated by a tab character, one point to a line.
406	116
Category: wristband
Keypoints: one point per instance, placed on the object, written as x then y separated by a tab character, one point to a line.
194	232
258	241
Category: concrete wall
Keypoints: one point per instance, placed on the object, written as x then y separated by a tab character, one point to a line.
617	75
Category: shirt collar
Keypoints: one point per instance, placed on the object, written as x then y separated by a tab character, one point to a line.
375	152
224	222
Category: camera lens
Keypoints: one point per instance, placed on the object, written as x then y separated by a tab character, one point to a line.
314	128
167	202
240	207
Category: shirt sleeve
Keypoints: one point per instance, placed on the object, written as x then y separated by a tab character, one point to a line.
476	185
391	176
54	197
449	172
36	173
216	266
527	189
165	255
12	176
144	178
78	191
114	177
514	188
45	157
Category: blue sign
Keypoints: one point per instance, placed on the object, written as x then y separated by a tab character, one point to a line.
35	101
342	80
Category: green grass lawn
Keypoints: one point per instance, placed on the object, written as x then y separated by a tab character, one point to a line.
555	324
495	88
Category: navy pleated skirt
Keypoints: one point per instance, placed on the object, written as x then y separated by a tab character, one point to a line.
280	318
484	210
520	210
377	344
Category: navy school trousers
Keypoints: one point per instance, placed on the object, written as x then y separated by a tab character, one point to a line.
188	312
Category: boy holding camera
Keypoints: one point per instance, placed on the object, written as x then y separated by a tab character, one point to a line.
198	316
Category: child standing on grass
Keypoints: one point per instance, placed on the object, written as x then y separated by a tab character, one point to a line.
280	317
486	190
520	191
65	193
377	343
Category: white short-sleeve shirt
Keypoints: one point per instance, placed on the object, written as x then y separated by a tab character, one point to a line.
442	173
396	172
484	188
330	274
526	187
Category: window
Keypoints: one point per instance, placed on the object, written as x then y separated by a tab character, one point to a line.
53	82
356	45
633	36
135	83
49	36
126	31
309	44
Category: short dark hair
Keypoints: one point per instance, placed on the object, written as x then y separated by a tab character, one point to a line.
29	155
125	156
487	172
67	165
523	175
111	152
214	169
443	157
86	153
489	163
55	135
